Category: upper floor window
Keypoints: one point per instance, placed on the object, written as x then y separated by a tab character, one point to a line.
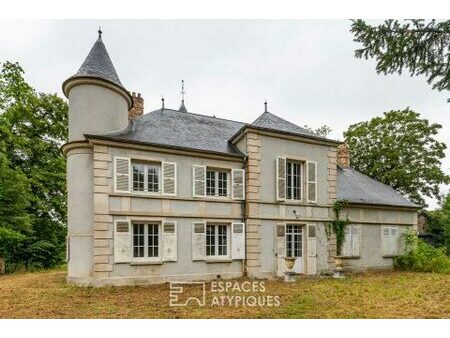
216	183
146	177
294	180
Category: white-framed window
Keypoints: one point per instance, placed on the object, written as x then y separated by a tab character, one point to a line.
390	240
217	241
294	180
294	240
146	177
217	183
146	241
351	245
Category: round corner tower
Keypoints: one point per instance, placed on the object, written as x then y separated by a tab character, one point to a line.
98	105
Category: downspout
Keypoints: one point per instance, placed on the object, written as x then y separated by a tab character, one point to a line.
244	218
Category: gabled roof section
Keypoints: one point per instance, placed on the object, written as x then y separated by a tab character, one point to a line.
183	130
358	188
271	122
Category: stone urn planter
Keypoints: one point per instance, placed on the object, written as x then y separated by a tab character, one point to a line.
289	275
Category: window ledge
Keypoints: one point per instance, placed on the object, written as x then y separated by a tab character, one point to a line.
350	257
212	261
146	263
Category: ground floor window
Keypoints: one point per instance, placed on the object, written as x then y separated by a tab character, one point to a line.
217	240
146	243
390	240
294	240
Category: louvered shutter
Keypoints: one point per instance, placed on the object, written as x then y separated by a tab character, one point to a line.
169	178
355	240
347	245
281	178
238	184
312	249
122	241
386	240
169	241
394	240
311	186
238	241
198	241
281	240
198	180
122	174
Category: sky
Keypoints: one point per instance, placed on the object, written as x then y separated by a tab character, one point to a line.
306	69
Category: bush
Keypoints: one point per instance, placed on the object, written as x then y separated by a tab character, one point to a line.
43	255
420	256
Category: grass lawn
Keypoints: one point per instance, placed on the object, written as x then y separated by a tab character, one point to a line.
371	295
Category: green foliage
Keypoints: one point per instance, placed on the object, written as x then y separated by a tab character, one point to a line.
43	254
439	223
11	244
399	149
13	197
323	131
419	46
337	226
421	256
33	126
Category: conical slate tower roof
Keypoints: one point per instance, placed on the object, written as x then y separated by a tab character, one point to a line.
97	65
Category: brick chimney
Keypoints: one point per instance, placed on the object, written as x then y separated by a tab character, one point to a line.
343	156
138	106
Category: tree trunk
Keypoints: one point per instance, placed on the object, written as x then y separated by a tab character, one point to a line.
2	266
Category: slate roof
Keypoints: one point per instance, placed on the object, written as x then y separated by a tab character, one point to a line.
356	187
173	128
98	64
270	121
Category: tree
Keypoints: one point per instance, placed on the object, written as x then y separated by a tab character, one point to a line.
419	46
323	131
33	126
399	149
439	223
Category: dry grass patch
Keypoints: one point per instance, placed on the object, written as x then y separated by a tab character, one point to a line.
372	295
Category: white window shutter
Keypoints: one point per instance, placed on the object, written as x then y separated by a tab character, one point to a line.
169	241
311	186
169	178
122	174
281	240
394	240
198	241
312	250
122	241
198	180
281	178
356	235
386	240
347	245
238	241
238	184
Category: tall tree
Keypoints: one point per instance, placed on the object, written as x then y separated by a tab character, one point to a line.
439	223
323	131
399	149
33	126
421	47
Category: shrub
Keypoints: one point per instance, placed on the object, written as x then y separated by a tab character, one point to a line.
420	256
43	255
12	244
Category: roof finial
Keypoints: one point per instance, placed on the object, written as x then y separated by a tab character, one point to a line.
182	107
265	106
162	102
100	32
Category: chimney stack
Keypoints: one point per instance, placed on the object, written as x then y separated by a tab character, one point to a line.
138	106
343	156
